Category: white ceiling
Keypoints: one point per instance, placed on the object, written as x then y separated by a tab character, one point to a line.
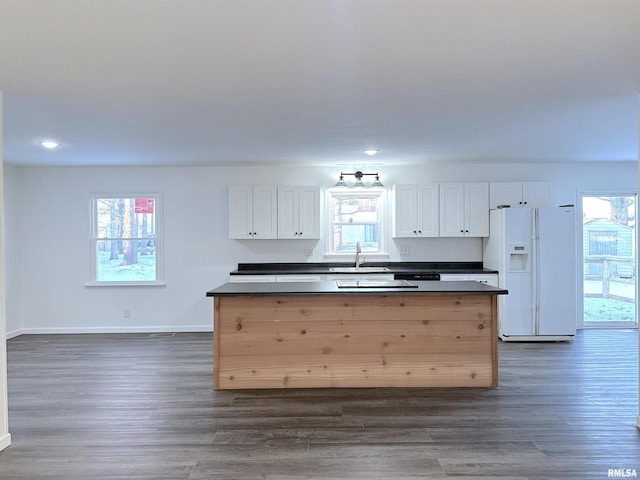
316	82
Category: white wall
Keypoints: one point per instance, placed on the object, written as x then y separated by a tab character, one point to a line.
48	228
5	437
11	241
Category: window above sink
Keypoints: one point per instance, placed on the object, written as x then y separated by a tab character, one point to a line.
356	215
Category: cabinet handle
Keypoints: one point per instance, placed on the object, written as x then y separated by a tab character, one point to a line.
420	232
415	232
525	203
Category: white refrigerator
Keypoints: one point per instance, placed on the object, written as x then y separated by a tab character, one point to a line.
534	251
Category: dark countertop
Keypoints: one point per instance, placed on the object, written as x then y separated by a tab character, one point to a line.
394	267
331	288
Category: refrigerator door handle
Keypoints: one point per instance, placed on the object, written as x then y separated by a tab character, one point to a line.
535	269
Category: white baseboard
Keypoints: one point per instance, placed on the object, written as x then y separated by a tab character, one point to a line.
5	441
140	329
536	338
14	333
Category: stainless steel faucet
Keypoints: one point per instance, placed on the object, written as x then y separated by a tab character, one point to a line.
358	252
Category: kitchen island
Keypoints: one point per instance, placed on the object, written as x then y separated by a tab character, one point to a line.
376	334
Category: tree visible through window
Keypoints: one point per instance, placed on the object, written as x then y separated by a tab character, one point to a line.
125	239
356	217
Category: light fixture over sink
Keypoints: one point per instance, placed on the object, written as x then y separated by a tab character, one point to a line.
358	176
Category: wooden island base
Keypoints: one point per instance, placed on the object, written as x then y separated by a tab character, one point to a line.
400	340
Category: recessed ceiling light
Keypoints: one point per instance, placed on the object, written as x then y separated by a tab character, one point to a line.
371	152
49	144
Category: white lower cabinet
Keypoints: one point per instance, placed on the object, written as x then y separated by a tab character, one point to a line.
487	278
276	278
384	277
299	278
252	278
310	278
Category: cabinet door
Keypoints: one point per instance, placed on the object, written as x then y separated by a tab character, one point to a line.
476	209
252	278
505	193
517	194
375	277
265	212
486	278
537	194
308	212
240	212
299	212
288	212
451	210
298	278
404	209
453	277
427	211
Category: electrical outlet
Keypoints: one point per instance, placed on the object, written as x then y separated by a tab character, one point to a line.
126	313
308	251
404	250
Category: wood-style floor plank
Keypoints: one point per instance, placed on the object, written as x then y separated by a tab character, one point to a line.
143	407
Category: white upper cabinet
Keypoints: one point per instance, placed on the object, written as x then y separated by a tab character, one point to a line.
464	209
298	212
476	209
537	194
253	212
415	211
521	194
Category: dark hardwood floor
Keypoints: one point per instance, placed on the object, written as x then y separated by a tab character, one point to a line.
143	407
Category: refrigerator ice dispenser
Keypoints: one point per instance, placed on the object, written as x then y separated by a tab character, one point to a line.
518	257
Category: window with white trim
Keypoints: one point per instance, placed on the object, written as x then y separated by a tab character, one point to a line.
126	239
356	215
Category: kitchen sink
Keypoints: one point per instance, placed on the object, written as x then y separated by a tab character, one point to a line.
358	269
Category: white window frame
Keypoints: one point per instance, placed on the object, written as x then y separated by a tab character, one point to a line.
581	194
94	238
381	193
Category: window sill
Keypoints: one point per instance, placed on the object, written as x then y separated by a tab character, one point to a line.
125	284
